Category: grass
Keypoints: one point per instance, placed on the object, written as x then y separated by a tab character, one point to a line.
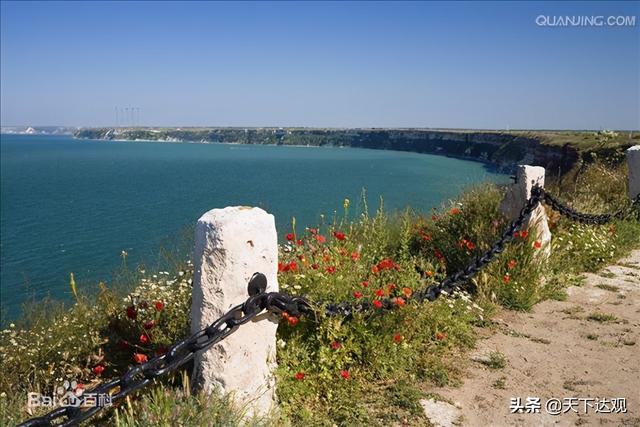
391	361
500	383
602	317
497	360
573	312
606	287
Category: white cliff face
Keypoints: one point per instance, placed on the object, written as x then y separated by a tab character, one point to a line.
231	245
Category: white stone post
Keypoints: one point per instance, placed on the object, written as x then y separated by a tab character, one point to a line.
232	244
633	163
516	197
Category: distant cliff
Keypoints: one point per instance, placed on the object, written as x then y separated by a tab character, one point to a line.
501	149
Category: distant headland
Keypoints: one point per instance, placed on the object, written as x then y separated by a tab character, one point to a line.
555	150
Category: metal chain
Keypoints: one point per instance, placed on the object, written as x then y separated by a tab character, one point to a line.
184	351
597	219
141	375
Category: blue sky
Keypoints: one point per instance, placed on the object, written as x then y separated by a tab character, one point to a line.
395	64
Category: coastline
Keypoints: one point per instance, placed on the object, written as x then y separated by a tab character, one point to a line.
500	151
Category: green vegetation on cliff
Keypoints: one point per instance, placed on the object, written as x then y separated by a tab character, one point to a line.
557	151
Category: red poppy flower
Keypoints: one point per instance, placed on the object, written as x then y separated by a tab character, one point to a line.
425	236
407	291
387	264
313	230
293	320
344	374
454	211
470	245
438	255
441	336
150	324
335	345
516	234
399	301
302	258
132	313
365	284
285	315
377	304
524	234
98	369
290	236
299	376
380	292
428	273
315	266
140	358
375	269
339	235
511	264
357	295
355	256
144	339
299	242
537	244
397	338
331	269
281	267
159	305
506	278
320	238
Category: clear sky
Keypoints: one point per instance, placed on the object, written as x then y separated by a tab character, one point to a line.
422	64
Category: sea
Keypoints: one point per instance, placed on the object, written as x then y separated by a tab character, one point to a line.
73	206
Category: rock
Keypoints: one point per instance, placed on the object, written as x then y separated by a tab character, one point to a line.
485	359
633	163
232	244
441	414
516	197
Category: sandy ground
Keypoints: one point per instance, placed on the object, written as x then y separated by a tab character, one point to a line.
557	351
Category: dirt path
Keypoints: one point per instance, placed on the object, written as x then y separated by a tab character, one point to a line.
575	348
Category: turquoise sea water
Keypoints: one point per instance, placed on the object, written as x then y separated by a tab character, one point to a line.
73	206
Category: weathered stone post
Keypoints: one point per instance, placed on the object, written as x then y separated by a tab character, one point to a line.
232	244
633	163
516	197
